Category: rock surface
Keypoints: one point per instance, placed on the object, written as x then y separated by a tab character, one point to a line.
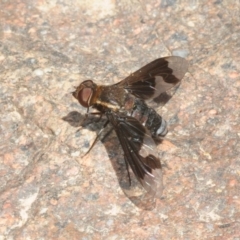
48	190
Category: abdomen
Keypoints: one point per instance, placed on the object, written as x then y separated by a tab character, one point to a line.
149	118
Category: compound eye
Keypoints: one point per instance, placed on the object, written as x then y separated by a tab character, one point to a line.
84	96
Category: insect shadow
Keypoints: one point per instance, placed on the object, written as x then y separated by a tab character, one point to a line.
127	180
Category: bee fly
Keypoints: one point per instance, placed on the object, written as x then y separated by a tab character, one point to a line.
136	124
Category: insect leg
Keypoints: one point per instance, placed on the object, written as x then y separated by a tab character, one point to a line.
107	134
99	133
93	113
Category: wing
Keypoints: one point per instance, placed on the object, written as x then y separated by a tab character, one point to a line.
139	151
156	77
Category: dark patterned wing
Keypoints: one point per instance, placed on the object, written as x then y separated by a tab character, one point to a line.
156	77
139	151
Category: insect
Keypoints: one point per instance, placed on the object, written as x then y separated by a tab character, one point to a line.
135	123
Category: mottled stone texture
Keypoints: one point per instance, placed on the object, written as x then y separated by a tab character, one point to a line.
48	190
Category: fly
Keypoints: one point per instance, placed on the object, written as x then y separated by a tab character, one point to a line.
136	124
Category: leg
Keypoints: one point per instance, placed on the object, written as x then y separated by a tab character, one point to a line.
99	133
107	134
93	113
